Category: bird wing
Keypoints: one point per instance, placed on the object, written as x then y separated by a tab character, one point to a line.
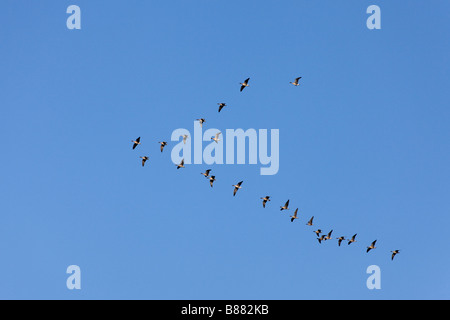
246	81
138	139
239	184
235	190
242	88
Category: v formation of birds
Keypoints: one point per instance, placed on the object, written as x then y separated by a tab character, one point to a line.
320	236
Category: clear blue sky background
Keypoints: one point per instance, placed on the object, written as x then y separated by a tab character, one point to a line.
364	147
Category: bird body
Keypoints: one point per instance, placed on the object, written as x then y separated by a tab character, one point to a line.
211	180
395	252
322	238
352	239
201	121
181	165
244	84
310	222
206	173
216	138
372	246
237	187
143	160
328	237
295	83
294	216
285	207
163	144
221	105
136	142
265	199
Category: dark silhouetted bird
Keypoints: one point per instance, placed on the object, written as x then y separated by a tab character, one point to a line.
211	180
395	252
295	83
265	199
136	142
221	105
237	187
181	165
206	173
372	246
294	216
244	84
352	239
163	144
143	160
201	121
285	207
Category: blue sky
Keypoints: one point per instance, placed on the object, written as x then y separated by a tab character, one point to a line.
364	147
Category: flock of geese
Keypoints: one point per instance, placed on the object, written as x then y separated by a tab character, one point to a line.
320	236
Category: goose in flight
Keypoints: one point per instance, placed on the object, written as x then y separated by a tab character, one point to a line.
181	165
206	173
201	120
221	105
265	199
340	240
295	83
285	207
211	180
143	160
244	84
237	187
394	253
372	246
322	238
328	237
318	232
352	239
185	136
216	138
294	216
310	222
136	142
163	144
